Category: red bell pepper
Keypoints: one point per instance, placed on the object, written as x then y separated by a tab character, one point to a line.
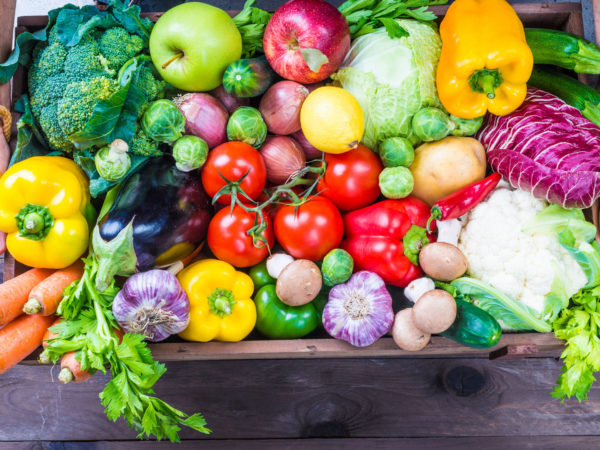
386	237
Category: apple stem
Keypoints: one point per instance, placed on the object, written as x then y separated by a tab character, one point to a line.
177	56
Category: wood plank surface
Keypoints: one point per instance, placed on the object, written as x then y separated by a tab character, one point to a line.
489	443
361	398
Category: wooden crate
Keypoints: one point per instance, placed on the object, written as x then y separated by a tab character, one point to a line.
562	16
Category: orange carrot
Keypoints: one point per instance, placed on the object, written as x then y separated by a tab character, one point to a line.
70	370
15	292
45	297
21	337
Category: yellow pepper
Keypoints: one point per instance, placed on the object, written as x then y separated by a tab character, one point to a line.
485	61
221	307
44	210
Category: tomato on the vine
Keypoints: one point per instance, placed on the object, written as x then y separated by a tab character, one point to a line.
351	180
233	160
229	240
311	230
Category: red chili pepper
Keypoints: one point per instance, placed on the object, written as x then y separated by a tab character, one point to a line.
462	201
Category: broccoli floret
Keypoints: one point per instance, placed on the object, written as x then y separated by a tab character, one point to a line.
65	83
152	87
118	46
76	106
142	145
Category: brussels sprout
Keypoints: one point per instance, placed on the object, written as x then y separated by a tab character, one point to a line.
396	151
113	162
337	267
466	127
190	153
431	124
163	122
247	125
396	182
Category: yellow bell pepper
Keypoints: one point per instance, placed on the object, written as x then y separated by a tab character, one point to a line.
221	307
44	210
485	61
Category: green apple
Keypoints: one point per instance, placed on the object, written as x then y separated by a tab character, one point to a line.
192	44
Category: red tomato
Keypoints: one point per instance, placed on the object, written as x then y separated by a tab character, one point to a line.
311	230
228	240
232	160
351	180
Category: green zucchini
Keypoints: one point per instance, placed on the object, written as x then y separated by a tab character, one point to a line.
248	77
473	327
583	97
563	49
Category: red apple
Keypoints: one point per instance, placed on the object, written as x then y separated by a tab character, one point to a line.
306	40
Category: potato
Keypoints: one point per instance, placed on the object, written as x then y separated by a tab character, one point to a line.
442	261
442	167
405	333
435	311
299	282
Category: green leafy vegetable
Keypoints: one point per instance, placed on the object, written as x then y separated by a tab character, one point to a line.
579	326
512	313
553	219
366	16
251	22
587	255
30	141
89	328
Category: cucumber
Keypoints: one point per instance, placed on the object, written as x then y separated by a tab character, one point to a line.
473	327
583	97
563	49
248	77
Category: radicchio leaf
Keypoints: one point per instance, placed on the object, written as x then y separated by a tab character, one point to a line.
547	148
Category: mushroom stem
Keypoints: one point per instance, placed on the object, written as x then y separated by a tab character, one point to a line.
417	288
448	231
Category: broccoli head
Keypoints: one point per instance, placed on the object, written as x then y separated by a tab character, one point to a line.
65	83
142	145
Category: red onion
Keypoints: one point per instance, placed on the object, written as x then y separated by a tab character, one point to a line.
152	303
311	87
205	117
360	310
310	151
280	107
230	102
283	158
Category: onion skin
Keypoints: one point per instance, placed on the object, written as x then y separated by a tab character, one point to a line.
205	117
283	158
374	320
230	102
309	151
280	106
155	294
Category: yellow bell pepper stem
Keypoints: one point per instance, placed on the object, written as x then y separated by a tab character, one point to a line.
34	221
221	302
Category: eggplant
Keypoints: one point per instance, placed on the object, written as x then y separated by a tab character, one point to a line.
168	209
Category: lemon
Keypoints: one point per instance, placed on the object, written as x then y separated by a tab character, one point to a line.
332	120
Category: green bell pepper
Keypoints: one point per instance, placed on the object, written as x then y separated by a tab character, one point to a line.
275	319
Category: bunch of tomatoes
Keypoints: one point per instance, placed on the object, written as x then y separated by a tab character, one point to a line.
307	225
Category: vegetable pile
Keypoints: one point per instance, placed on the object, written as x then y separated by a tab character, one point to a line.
273	175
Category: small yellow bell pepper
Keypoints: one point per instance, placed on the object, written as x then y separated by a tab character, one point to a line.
485	61
44	210
221	307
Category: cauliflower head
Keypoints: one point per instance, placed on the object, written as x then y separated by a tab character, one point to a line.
522	265
65	83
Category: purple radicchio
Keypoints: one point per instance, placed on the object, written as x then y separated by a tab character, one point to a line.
153	304
360	310
547	148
